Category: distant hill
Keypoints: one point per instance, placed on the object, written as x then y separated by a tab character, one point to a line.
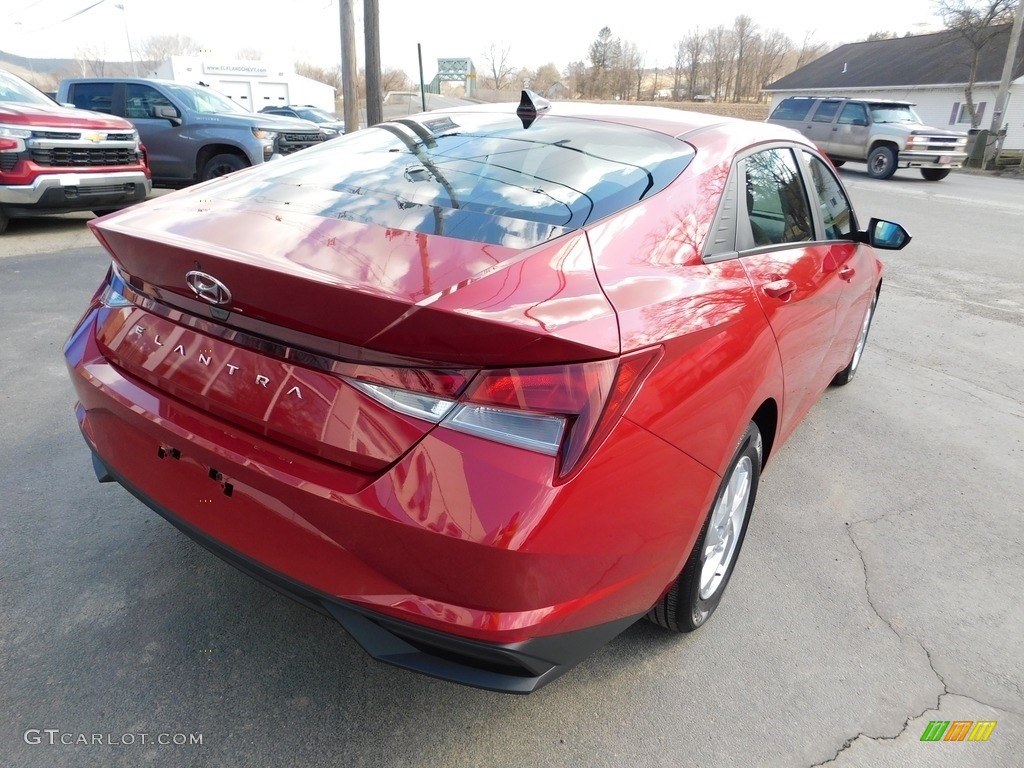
46	73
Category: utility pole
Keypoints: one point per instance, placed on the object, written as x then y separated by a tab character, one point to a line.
348	66
371	33
1003	94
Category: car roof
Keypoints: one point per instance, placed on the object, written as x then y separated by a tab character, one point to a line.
693	127
858	100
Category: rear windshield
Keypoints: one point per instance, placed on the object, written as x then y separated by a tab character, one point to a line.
479	176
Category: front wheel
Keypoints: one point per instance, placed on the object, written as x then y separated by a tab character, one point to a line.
837	163
699	588
221	165
882	162
934	174
845	375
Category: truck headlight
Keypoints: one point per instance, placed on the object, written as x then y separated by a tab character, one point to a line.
264	135
12	138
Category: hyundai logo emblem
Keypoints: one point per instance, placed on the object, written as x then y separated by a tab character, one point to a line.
208	288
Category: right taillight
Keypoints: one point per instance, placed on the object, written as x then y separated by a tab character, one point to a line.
558	410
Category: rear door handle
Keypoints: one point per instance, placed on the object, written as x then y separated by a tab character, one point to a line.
847	273
779	289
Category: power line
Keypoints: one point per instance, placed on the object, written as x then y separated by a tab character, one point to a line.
73	15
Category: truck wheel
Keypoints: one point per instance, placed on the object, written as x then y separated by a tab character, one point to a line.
838	163
3	221
934	174
881	163
220	165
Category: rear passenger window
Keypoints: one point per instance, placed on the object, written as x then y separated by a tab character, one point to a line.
776	199
99	97
826	111
853	114
792	109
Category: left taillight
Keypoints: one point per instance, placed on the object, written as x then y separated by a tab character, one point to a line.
559	410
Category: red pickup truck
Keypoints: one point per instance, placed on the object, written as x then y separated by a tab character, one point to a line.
54	159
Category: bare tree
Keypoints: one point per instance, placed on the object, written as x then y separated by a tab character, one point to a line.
721	60
575	76
249	54
678	68
695	43
974	20
500	69
744	30
393	79
330	76
92	60
160	48
605	56
545	77
774	47
809	51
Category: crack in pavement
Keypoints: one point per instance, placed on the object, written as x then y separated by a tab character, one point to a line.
946	691
864	568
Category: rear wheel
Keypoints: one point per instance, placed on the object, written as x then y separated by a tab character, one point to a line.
882	162
699	588
934	174
845	375
837	163
221	165
103	211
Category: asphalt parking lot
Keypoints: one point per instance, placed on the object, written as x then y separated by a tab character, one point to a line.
879	587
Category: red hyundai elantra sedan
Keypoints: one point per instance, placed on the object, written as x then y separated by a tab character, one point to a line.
485	385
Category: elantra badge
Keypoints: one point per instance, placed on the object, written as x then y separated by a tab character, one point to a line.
208	288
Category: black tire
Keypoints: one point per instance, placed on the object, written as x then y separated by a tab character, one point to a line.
3	221
882	162
934	174
221	165
846	375
687	606
837	163
103	211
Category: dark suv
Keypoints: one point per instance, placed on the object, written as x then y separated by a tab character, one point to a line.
191	132
884	134
329	124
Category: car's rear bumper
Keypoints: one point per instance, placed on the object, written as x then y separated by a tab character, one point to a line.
59	192
461	560
520	667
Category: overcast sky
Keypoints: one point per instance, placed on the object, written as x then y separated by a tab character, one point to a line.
536	31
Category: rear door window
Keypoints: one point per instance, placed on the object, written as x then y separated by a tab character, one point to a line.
98	97
826	111
777	206
853	114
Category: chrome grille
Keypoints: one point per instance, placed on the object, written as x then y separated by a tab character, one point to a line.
68	157
58	135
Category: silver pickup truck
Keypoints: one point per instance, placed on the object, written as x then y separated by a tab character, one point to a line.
884	134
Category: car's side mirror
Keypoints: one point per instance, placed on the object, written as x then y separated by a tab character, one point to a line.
167	113
886	235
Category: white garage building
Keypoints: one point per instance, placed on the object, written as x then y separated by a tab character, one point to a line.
929	70
251	84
